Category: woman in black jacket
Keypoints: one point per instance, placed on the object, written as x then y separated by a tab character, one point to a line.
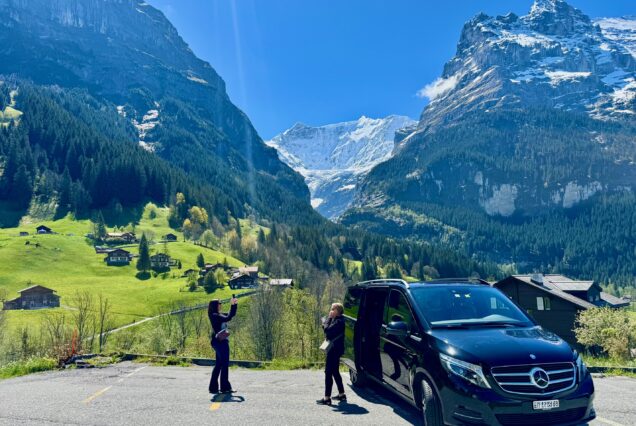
334	332
220	344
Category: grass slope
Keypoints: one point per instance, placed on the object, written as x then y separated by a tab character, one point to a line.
67	262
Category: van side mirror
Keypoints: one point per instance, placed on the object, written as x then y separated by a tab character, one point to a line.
397	328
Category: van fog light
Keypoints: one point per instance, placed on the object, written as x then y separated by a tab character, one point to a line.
467	371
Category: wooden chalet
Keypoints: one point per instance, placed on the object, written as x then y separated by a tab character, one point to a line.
34	297
170	237
124	237
118	257
555	300
252	271
160	261
24	234
43	230
242	281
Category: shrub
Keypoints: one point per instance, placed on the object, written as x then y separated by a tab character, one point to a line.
613	330
31	365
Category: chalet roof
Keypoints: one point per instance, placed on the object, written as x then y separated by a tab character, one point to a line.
119	251
567	284
170	235
613	301
554	289
281	281
43	227
33	287
119	234
236	277
248	269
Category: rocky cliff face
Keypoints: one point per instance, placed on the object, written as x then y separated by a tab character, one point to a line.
553	57
488	141
335	157
127	53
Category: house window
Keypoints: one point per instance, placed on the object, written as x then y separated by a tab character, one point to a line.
543	303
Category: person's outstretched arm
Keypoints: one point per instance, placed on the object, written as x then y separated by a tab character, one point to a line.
232	312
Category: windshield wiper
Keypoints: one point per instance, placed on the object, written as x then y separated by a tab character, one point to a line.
498	324
451	326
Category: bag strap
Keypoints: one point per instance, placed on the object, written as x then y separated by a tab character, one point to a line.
338	337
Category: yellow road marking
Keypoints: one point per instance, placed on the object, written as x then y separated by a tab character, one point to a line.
101	392
217	402
96	394
608	422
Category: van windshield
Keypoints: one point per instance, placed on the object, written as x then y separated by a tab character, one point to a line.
448	306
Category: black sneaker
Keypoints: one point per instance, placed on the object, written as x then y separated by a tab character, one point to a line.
324	401
228	391
342	397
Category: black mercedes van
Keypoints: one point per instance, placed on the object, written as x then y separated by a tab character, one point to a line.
464	354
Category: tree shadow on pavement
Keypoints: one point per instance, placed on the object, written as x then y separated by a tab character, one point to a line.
376	395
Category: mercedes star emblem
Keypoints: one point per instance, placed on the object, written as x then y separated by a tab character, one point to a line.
539	378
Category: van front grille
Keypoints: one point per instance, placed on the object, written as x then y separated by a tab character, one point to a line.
536	379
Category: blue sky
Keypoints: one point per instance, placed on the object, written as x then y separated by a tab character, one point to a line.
325	61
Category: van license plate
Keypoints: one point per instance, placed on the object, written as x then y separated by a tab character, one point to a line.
545	405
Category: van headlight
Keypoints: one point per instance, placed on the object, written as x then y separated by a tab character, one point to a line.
581	368
467	371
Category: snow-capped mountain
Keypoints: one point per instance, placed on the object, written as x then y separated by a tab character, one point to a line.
620	30
555	56
332	158
527	144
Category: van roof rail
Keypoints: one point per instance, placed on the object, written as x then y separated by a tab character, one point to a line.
386	281
457	281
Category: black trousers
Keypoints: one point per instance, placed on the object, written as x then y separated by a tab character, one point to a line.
332	372
221	366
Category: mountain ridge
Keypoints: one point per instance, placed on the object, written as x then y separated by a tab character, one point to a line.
126	53
334	157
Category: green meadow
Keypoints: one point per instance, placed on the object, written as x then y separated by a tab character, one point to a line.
67	263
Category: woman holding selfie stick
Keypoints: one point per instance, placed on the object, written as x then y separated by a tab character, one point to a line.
334	328
221	344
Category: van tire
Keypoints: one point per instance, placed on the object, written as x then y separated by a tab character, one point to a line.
431	407
358	378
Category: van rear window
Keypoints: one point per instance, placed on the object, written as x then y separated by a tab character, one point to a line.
352	302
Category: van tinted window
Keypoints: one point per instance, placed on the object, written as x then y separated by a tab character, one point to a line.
445	305
398	310
352	302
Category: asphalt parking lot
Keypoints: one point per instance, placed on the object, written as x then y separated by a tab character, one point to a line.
128	393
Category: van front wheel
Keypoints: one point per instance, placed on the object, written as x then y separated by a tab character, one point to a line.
358	379
431	407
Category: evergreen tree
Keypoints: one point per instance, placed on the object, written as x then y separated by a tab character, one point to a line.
143	263
200	260
209	282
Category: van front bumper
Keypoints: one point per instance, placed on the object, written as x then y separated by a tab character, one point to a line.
469	405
